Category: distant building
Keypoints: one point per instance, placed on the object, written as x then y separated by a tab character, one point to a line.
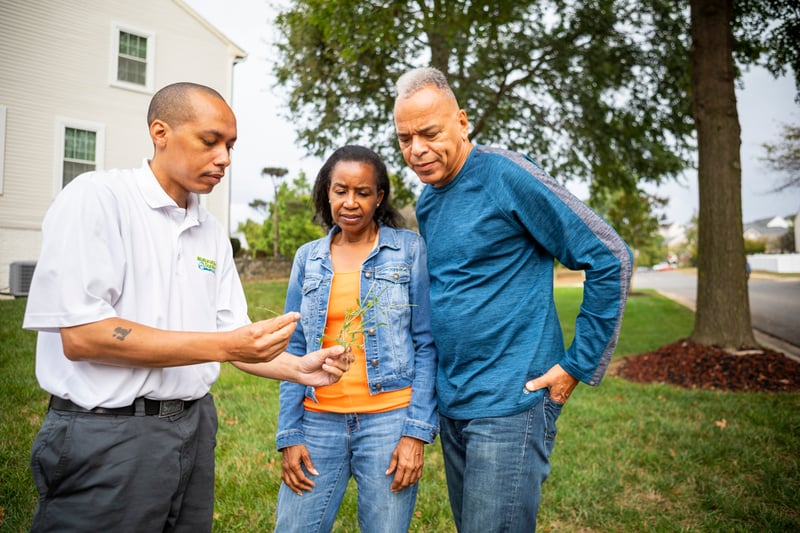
77	78
770	231
674	235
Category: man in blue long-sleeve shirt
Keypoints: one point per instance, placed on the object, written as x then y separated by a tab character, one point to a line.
494	221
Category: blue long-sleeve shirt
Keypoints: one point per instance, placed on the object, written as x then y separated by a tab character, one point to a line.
493	233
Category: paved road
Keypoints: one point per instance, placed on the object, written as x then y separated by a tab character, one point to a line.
774	303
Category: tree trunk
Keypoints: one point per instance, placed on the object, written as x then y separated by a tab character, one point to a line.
275	228
723	305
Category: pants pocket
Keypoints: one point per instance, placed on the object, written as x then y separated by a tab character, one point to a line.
49	452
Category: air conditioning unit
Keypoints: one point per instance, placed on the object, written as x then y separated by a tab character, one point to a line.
19	277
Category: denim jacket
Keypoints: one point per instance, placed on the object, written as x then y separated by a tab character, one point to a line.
399	352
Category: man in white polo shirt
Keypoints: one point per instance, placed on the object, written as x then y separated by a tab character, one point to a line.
136	301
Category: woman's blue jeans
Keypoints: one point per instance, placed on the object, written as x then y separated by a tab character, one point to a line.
496	466
340	446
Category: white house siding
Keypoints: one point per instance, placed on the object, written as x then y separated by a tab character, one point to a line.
55	64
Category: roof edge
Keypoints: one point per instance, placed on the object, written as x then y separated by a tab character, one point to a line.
238	50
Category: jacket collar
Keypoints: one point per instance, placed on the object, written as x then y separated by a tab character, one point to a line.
388	237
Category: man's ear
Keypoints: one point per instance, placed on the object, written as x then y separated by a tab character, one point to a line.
463	122
158	133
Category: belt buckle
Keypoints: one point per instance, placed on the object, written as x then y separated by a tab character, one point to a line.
170	407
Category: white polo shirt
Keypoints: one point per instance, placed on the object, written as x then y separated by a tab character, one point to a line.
116	245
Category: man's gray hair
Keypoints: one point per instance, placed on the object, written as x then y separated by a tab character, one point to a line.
419	78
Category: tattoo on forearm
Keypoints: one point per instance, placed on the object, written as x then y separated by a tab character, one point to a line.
121	333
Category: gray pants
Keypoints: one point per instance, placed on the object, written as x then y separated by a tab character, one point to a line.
126	473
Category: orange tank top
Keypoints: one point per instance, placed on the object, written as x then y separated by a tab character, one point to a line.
351	393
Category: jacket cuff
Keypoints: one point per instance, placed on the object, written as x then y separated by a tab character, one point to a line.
291	437
419	430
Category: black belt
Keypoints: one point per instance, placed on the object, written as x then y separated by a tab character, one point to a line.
144	406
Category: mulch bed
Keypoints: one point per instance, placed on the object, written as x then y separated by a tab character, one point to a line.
695	366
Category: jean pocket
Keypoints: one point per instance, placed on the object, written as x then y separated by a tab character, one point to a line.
552	410
555	404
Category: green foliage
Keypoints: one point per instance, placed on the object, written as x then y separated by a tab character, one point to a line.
403	194
593	90
295	224
767	32
256	234
265	299
632	214
754	247
690	247
22	408
596	91
642	331
655	457
652	252
295	216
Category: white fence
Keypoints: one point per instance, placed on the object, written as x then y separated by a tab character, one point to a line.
781	263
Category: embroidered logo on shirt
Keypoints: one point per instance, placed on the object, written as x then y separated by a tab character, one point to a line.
209	265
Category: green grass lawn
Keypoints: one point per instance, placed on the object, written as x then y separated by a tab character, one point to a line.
629	457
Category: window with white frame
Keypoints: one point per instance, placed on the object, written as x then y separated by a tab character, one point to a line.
81	149
132	58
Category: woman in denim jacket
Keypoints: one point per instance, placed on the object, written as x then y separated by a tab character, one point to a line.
371	425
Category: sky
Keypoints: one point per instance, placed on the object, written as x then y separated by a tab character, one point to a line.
267	139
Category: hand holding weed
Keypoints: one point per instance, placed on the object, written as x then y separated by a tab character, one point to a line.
323	367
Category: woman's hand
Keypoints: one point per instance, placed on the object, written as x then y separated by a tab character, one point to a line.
407	461
294	458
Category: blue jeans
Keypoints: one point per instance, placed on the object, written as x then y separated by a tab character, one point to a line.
496	466
341	446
